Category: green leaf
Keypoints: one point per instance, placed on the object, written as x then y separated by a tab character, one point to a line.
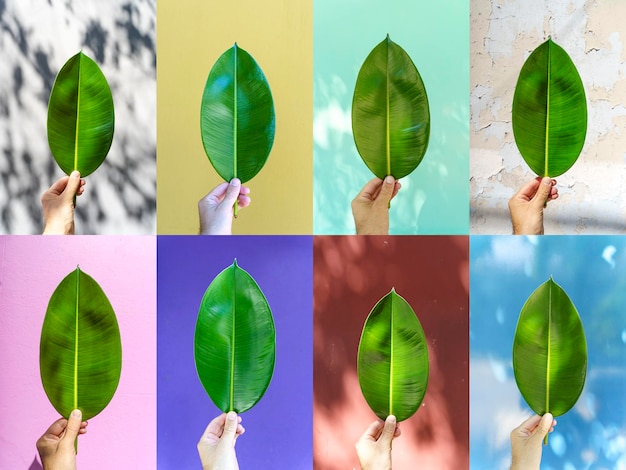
237	118
549	111
80	354
234	344
392	361
80	116
390	116
549	351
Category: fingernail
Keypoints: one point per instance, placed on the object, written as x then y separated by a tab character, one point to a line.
389	179
235	182
231	416
77	414
75	174
546	180
391	419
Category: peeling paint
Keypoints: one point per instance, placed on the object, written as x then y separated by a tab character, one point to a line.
592	196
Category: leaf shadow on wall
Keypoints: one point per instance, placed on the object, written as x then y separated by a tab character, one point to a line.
350	275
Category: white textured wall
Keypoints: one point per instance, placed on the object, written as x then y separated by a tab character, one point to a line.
36	38
592	194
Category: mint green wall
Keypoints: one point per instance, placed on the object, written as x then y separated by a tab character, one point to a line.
434	199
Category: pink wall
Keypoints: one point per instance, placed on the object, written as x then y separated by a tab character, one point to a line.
123	436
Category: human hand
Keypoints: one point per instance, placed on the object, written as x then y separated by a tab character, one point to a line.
374	446
526	206
370	207
217	444
526	441
56	446
216	208
58	204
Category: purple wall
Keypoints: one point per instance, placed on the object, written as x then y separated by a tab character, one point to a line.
278	429
123	435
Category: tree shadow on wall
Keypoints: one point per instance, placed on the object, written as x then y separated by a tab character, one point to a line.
350	275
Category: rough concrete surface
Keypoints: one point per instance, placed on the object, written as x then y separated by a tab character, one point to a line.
503	33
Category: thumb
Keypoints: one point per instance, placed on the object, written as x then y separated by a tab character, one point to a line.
73	183
543	191
388	430
230	428
232	193
543	427
386	190
72	428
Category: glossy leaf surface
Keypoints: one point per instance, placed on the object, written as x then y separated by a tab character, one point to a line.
390	114
80	116
80	353
234	344
237	119
549	111
549	351
392	360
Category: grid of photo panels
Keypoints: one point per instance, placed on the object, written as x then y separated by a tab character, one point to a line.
312	235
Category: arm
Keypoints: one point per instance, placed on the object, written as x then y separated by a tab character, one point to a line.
374	446
56	446
217	444
526	442
58	204
526	206
370	207
216	208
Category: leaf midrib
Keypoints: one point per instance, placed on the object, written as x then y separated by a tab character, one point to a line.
391	344
387	136
549	348
76	339
77	113
235	116
546	158
232	341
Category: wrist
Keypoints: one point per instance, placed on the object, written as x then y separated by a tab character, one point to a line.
54	229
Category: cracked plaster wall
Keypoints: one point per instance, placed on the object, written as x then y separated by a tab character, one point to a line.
592	198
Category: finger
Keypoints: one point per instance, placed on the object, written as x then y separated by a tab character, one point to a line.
232	192
72	428
230	428
388	431
528	426
373	431
59	185
215	196
81	188
215	427
527	191
543	427
73	183
371	189
240	431
543	191
244	201
57	428
244	190
396	188
386	191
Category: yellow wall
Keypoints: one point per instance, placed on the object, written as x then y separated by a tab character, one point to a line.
191	35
